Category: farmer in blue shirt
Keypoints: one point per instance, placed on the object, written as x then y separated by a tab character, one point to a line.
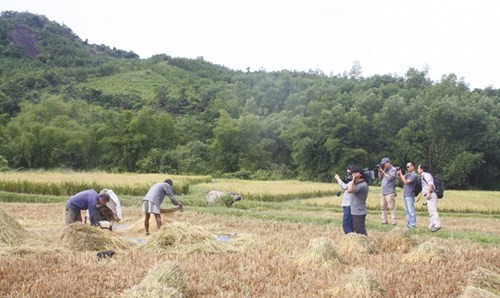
87	199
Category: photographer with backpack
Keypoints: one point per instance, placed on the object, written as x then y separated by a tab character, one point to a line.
431	197
410	180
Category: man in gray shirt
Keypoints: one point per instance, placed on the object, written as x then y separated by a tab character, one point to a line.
387	189
409	180
153	199
359	189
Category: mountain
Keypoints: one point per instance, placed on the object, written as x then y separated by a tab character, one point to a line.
27	35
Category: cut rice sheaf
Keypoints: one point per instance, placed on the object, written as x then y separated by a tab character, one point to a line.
184	238
397	240
320	251
82	237
353	245
11	232
164	280
485	279
426	252
359	283
475	292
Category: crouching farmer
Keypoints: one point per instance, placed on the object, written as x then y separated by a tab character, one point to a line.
227	198
153	199
85	200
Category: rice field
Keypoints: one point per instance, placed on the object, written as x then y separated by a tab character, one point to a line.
292	247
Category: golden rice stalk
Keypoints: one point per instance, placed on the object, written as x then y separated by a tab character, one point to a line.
320	251
397	240
82	237
153	291
11	232
354	245
426	252
485	279
164	280
184	238
360	283
137	229
475	292
25	250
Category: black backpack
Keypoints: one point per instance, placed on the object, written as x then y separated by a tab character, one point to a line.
438	187
418	187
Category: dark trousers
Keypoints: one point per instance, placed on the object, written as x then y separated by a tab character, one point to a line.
347	220
358	222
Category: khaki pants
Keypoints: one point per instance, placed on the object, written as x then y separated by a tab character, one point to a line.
388	201
434	221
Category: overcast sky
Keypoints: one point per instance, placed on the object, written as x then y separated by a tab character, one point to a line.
384	36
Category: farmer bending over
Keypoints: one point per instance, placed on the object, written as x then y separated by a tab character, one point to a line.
153	199
87	199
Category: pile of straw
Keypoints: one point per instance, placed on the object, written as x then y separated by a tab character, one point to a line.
354	245
475	292
397	240
426	252
320	251
183	238
82	237
11	232
360	283
136	229
483	280
164	280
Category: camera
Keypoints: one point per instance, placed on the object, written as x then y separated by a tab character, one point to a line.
348	177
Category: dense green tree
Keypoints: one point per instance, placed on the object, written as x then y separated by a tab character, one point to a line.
67	103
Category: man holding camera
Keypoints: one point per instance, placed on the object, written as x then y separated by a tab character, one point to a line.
359	190
410	180
387	189
346	202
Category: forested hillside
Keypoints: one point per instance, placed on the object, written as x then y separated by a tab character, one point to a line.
65	103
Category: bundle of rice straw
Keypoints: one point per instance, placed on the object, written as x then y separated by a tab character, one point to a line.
82	237
355	245
397	240
426	252
11	232
360	283
164	280
183	238
475	292
320	251
485	279
137	229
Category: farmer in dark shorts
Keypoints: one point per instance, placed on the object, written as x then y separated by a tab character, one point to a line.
153	199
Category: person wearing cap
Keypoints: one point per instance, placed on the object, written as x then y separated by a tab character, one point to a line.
84	200
153	199
346	203
359	189
387	189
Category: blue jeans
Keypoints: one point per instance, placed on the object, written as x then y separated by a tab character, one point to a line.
411	215
347	220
